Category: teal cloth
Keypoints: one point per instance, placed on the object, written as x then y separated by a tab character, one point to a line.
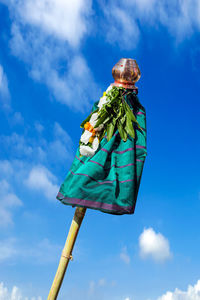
109	181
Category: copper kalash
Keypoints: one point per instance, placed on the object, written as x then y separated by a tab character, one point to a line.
126	72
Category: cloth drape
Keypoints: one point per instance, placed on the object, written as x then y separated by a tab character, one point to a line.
109	180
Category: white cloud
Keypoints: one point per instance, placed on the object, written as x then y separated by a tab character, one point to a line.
154	245
180	18
39	127
64	71
120	27
38	150
44	252
17	118
31	158
66	20
4	91
6	168
14	294
8	202
192	293
51	32
96	286
7	249
124	255
40	252
20	146
102	282
42	180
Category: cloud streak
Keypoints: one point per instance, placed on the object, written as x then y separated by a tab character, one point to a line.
125	23
9	201
124	256
41	252
4	91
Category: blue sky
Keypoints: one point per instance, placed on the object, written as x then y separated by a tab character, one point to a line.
56	59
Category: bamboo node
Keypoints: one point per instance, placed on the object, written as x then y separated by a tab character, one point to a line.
70	257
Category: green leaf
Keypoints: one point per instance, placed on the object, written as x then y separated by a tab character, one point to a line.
100	121
129	128
122	132
110	129
131	115
102	134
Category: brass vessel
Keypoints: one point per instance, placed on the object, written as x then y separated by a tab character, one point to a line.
126	72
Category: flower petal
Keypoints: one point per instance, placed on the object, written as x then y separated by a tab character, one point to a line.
86	151
102	101
109	88
93	119
86	136
95	144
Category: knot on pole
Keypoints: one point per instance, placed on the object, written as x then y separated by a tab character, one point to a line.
69	257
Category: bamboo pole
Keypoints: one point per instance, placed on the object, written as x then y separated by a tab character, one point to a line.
67	252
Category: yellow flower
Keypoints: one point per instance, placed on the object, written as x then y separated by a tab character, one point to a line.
91	139
104	94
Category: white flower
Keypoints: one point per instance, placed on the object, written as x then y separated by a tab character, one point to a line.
95	143
102	101
86	136
93	119
86	151
109	88
90	151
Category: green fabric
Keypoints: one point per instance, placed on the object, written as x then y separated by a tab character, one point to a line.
109	181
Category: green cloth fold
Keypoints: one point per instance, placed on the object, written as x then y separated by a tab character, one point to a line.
109	181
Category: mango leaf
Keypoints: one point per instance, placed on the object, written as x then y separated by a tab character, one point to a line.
129	128
122	132
100	120
131	115
110	129
102	134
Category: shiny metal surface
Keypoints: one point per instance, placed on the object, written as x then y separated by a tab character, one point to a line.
126	72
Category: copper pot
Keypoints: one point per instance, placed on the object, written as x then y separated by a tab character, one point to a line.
126	72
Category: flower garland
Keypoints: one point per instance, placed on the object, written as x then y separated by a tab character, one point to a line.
112	113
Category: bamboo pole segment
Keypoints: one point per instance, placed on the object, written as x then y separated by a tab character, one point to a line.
67	252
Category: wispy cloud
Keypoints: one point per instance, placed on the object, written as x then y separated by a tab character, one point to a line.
126	22
124	256
31	158
41	252
42	180
14	294
120	28
7	249
52	32
96	286
192	293
4	91
66	20
8	202
154	245
37	149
